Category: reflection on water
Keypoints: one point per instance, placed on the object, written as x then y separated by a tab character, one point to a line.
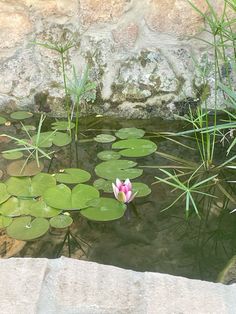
146	239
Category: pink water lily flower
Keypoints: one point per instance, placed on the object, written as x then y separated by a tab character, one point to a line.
123	191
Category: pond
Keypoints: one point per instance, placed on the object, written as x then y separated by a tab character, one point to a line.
146	238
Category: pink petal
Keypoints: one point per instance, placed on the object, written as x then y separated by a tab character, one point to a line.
133	196
115	190
118	183
128	196
128	184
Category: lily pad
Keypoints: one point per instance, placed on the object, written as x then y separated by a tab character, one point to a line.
14	207
62	197
62	125
2	120
47	139
5	221
141	188
121	169
102	184
19	169
27	187
61	139
73	176
104	138
135	147
12	155
108	155
41	209
21	115
130	133
104	209
4	195
61	221
24	228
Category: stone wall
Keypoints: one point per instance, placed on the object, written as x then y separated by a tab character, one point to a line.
140	53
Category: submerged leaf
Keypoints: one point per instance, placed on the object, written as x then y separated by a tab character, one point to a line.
108	155
20	168
104	138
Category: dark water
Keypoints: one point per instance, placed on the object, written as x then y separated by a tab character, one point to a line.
148	240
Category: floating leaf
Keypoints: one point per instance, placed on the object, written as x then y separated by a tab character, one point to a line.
104	209
62	125
135	147
27	187
104	138
21	115
4	195
24	228
14	207
41	209
5	221
61	221
108	155
130	133
46	139
61	139
73	176
19	169
102	184
62	197
141	188
12	155
121	169
2	120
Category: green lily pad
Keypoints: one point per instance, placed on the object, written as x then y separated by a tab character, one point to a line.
130	133
104	209
104	138
24	228
21	115
102	184
5	221
47	139
14	207
73	176
62	125
2	120
4	195
19	169
121	169
61	139
62	197
12	155
141	188
41	209
30	187
108	155
135	147
61	221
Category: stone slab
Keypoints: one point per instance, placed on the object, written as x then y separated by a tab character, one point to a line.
78	287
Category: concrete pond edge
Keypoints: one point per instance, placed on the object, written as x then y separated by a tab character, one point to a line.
65	285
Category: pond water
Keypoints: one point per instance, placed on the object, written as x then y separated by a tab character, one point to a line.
145	239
